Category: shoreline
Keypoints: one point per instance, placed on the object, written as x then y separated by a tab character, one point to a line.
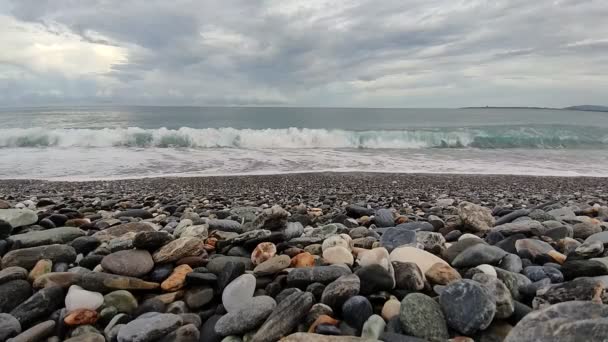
348	185
177	176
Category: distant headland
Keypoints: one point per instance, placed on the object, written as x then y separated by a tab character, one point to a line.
587	108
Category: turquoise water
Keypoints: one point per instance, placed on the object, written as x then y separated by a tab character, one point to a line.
119	142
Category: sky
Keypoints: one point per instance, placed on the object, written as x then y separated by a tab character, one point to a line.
366	53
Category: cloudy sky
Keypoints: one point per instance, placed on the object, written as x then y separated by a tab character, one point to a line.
388	53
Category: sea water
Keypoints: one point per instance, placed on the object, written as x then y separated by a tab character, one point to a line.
112	142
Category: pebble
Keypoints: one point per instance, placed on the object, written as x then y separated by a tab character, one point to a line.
468	306
36	333
263	252
338	291
245	318
338	255
123	301
474	217
272	265
238	292
28	257
132	262
421	316
149	328
285	317
356	310
179	248
423	259
13	293
79	298
9	326
408	276
18	217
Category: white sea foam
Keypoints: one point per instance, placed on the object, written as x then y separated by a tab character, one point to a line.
302	138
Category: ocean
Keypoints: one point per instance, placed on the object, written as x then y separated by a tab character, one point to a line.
115	142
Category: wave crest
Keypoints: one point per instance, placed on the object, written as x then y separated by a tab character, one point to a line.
486	137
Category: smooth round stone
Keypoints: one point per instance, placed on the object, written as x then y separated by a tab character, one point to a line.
373	327
229	272
39	306
391	308
395	237
502	295
151	305
78	298
590	249
441	274
568	321
132	263
196	278
468	306
356	310
337	292
341	240
487	269
12	273
468	236
149	328
408	276
160	273
13	293
477	255
423	259
375	278
197	297
208	329
285	317
217	264
384	218
511	262
421	316
36	333
9	326
122	300
5	229
246	318
238	292
85	244
376	256
338	255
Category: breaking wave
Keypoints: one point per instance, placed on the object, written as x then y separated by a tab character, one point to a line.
481	137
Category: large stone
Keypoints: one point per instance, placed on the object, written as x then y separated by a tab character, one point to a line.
179	248
583	288
132	262
272	265
375	278
140	213
421	316
423	259
337	292
285	317
477	255
225	226
12	273
338	255
408	276
601	236
5	229
356	310
247	317
384	218
537	250
474	217
238	292
502	295
47	237
395	237
273	218
36	333
13	293
9	326
18	217
521	227
40	305
467	306
105	282
28	257
120	230
302	277
564	322
150	328
79	298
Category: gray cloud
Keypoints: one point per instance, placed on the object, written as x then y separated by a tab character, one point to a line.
312	53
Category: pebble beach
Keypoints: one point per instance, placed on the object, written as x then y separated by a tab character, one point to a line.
305	257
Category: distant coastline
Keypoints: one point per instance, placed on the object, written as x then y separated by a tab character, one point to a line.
585	108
